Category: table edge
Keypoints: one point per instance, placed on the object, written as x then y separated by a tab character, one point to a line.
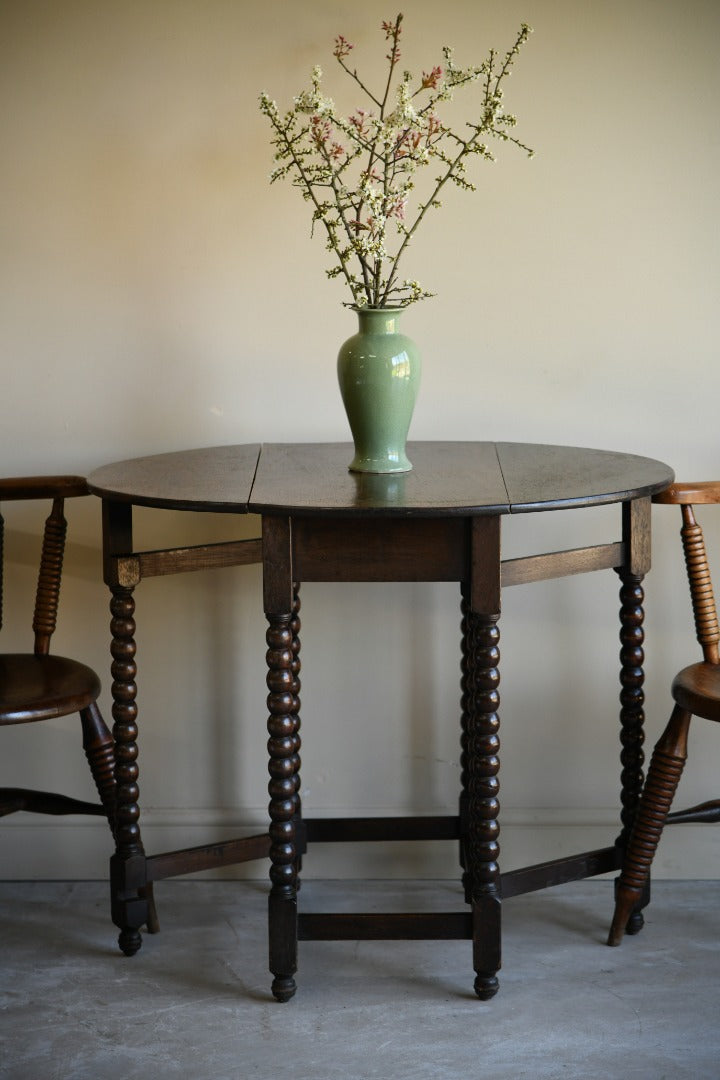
251	506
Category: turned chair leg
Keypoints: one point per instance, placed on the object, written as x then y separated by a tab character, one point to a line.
100	753
152	925
98	747
666	766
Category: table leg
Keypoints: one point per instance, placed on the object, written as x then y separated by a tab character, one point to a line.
127	866
479	806
464	720
632	715
295	627
283	748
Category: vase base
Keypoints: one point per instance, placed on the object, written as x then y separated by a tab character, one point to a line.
379	468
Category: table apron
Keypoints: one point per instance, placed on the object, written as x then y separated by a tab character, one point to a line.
437	549
380	549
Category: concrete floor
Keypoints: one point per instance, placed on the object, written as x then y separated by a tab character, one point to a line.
195	1002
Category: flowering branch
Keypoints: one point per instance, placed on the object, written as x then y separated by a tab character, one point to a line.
358	172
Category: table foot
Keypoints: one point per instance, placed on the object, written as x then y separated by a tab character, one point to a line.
283	988
486	985
129	941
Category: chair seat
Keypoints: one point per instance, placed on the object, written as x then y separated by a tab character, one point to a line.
41	687
697	689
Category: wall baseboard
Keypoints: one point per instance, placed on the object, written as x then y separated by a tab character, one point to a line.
74	849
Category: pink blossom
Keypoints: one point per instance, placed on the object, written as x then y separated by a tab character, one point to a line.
433	125
430	82
359	121
392	33
408	141
342	47
398	208
321	131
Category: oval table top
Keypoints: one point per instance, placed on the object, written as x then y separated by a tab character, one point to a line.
448	478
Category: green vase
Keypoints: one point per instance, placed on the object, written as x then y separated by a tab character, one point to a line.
379	374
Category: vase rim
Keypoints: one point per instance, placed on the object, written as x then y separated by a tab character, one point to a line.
384	310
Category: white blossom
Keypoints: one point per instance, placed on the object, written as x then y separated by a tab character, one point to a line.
357	171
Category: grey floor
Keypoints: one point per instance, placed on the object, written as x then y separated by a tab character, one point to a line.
195	1002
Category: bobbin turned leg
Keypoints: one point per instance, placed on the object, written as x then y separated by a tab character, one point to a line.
479	806
666	766
464	722
128	882
482	802
284	764
632	719
295	627
282	606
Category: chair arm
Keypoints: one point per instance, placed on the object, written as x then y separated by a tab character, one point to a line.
705	491
42	487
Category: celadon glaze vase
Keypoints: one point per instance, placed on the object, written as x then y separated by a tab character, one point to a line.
379	374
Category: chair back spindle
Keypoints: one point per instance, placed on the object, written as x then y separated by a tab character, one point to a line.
701	590
48	588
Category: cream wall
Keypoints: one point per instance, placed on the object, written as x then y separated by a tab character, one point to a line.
156	293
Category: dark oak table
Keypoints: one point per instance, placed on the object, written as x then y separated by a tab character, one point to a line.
440	522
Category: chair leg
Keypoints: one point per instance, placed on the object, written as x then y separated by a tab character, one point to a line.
98	747
99	750
666	766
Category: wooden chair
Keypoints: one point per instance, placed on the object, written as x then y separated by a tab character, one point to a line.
37	686
696	692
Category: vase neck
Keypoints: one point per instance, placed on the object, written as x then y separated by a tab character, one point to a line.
379	320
